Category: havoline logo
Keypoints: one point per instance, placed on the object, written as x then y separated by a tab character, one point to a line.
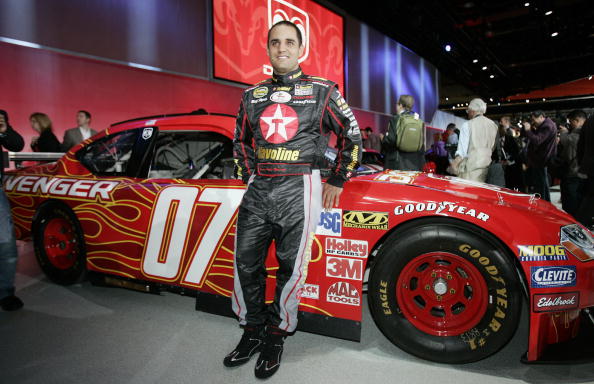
365	220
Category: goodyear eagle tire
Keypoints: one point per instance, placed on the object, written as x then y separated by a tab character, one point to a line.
445	292
59	244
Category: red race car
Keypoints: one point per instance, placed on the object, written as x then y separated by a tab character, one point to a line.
153	202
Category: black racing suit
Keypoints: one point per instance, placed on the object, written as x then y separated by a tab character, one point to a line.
282	132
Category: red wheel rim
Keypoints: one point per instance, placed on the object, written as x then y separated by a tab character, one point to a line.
442	294
59	243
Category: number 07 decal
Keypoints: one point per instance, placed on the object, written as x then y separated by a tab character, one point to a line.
169	231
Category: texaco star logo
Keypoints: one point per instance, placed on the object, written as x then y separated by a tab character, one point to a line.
279	123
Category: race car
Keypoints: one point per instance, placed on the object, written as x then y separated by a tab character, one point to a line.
152	203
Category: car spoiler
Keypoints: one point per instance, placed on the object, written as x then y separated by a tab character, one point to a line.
19	157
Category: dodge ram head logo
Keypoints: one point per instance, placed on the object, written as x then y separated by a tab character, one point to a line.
279	10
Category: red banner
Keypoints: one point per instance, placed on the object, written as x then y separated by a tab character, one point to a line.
240	31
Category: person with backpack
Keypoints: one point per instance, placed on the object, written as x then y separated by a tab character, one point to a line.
476	144
404	142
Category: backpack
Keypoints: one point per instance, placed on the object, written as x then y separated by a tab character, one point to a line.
410	135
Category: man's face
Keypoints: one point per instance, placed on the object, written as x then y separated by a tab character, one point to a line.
577	123
284	49
504	122
82	119
471	113
537	120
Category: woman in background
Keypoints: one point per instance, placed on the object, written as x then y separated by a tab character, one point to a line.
46	141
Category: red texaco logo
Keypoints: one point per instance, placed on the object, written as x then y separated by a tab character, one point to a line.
279	123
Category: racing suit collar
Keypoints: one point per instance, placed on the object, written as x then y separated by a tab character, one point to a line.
288	77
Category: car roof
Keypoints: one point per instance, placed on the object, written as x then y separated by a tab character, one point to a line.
216	122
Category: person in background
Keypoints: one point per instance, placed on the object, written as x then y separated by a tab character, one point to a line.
438	154
476	144
82	132
585	155
12	141
452	140
572	186
542	145
371	140
394	158
512	164
46	141
505	124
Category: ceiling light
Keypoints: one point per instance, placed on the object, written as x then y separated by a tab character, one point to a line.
527	100
485	68
544	99
453	107
548	13
475	61
590	77
447	98
492	76
554	34
526	4
490	99
498	104
447	47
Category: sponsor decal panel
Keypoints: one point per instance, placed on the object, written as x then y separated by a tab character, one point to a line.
541	252
343	268
303	89
343	293
552	302
280	97
330	223
365	219
553	277
260	92
346	247
147	133
440	208
281	154
311	291
397	177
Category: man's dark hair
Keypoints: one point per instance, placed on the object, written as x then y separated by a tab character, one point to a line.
538	113
289	24
86	113
451	126
577	114
368	129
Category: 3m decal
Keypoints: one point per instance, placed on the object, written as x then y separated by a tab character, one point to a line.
339	267
552	302
346	247
343	293
366	220
168	235
438	208
330	223
541	252
553	277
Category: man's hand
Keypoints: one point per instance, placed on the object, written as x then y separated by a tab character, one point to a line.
2	124
330	195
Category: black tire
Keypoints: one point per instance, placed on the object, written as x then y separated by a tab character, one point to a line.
59	244
434	256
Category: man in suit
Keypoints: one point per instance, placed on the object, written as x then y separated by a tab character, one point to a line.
82	132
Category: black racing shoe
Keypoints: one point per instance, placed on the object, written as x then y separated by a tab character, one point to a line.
250	343
270	357
11	303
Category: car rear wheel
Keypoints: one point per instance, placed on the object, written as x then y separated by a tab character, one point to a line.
59	245
445	292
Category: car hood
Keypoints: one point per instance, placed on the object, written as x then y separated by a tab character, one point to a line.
466	189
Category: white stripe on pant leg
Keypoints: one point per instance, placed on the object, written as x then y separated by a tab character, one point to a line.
237	300
312	208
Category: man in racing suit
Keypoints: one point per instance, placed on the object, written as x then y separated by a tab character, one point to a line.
282	132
